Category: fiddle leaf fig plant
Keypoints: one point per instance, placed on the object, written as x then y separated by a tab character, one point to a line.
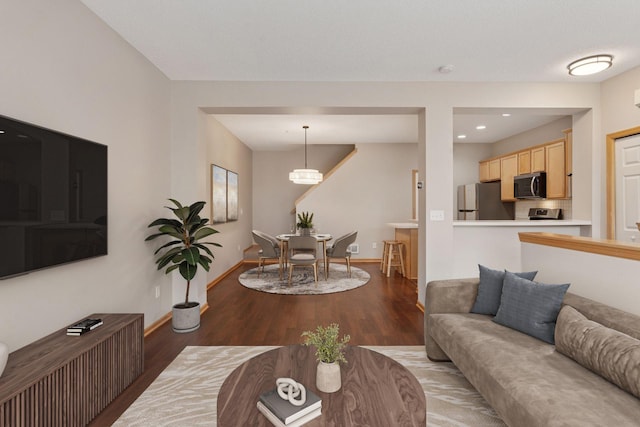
186	251
305	220
329	348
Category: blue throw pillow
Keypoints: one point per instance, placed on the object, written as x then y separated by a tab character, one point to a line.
490	289
530	307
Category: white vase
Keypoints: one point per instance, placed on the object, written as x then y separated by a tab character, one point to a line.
4	355
328	377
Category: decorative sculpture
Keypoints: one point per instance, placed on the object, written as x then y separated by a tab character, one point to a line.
290	390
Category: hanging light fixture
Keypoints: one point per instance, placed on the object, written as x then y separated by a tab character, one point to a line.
590	65
305	176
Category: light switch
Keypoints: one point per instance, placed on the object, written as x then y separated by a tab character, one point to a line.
436	215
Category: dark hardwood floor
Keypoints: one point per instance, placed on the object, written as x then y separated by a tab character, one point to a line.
383	312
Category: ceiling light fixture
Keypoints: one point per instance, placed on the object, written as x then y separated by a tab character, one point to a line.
481	127
462	136
305	176
506	114
590	65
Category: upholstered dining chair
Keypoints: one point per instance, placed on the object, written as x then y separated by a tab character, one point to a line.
340	249
269	249
303	252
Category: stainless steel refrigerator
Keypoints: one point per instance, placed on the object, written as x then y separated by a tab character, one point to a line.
482	201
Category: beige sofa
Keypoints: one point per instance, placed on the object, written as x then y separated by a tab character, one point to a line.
529	382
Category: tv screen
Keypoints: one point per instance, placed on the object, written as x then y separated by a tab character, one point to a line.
53	198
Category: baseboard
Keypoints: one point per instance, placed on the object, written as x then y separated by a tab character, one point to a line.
420	306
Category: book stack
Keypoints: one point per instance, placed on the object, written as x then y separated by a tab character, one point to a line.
83	326
283	413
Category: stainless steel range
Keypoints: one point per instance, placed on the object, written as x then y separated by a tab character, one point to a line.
544	213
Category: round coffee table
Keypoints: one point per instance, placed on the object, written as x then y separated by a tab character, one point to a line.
376	390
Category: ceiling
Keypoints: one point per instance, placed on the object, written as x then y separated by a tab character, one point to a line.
364	40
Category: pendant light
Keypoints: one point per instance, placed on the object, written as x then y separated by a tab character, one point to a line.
305	176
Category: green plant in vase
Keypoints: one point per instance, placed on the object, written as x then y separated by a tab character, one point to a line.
329	352
305	222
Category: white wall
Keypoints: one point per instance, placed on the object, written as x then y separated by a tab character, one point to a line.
62	68
535	136
274	196
465	164
368	191
610	280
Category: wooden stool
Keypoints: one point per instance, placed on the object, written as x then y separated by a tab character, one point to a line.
392	256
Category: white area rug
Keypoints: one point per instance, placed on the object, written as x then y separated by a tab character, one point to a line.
302	282
185	394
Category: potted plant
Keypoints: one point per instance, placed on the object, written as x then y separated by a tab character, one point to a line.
329	352
184	252
305	223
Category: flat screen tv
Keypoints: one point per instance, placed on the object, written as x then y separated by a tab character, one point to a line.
53	198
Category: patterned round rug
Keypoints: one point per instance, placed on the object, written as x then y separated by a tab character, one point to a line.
302	282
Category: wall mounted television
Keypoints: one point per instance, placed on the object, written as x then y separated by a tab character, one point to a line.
53	198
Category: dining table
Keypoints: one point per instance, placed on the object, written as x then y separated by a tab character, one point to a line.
322	238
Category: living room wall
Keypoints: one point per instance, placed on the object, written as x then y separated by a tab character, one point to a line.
64	69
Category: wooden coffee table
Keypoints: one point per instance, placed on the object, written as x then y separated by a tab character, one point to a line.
376	390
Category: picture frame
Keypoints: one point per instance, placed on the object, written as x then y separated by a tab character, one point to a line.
218	194
232	196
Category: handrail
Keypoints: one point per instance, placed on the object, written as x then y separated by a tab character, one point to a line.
326	175
614	248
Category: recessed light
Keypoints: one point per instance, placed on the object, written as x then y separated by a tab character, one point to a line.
1	131
446	69
462	136
590	65
506	115
480	127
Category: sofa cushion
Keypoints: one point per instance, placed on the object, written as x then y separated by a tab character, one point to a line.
525	380
530	307
490	289
607	352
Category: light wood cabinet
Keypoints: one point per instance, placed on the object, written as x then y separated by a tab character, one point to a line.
524	162
409	236
490	170
555	168
538	159
508	169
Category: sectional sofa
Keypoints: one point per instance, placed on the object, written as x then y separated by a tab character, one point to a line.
590	376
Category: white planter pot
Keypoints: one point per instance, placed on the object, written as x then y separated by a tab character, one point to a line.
328	377
4	355
185	319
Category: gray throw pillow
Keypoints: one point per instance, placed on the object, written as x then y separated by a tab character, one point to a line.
490	289
530	307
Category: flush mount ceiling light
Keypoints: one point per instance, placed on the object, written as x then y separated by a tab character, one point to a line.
305	176
590	65
481	127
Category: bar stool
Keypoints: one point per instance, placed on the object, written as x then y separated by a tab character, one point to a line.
392	256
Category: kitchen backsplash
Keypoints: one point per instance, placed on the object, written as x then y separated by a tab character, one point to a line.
523	206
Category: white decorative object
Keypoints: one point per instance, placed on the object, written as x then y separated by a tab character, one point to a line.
4	355
289	390
328	377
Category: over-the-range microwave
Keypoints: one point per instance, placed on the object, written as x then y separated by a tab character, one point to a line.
530	186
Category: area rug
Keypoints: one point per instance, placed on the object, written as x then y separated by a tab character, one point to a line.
302	282
185	393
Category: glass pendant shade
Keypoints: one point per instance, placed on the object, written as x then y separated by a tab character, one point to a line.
305	176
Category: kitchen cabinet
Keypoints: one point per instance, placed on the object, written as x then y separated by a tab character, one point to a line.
524	162
538	159
508	169
555	167
409	236
490	170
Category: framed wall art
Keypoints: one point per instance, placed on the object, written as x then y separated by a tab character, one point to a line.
224	195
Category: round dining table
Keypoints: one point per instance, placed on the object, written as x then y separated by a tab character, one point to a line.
322	238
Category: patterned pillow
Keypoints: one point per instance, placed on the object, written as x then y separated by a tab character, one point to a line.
530	307
490	289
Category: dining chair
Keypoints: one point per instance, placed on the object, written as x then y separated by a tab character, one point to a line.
269	249
340	249
303	252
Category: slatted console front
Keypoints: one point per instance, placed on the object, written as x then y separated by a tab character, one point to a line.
61	380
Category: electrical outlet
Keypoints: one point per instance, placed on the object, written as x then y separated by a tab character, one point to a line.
374	245
436	215
157	291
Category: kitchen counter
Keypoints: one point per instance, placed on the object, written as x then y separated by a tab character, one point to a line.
522	223
403	224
